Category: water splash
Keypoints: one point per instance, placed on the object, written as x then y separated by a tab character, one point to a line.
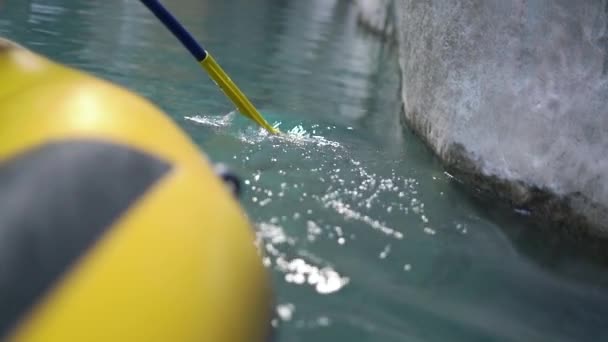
353	200
213	121
301	269
297	135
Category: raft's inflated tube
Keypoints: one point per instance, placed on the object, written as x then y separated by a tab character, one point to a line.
113	226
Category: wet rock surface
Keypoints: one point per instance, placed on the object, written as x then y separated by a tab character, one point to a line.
513	98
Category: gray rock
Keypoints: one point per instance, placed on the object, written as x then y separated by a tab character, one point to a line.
376	15
513	96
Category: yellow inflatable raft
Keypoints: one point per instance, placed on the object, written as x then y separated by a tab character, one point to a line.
113	225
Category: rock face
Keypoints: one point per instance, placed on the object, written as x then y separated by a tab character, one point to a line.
376	15
513	96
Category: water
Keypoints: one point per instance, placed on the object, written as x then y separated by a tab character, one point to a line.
368	239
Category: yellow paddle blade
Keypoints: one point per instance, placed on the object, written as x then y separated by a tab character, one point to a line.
234	93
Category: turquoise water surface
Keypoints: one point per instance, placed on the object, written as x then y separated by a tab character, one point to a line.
367	237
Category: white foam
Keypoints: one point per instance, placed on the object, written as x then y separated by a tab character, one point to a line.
296	135
213	120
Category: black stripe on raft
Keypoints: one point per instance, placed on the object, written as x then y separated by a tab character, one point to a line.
55	201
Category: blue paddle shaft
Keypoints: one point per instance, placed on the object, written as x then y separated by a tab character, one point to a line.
176	28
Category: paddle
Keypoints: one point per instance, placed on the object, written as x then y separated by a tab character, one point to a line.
209	64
